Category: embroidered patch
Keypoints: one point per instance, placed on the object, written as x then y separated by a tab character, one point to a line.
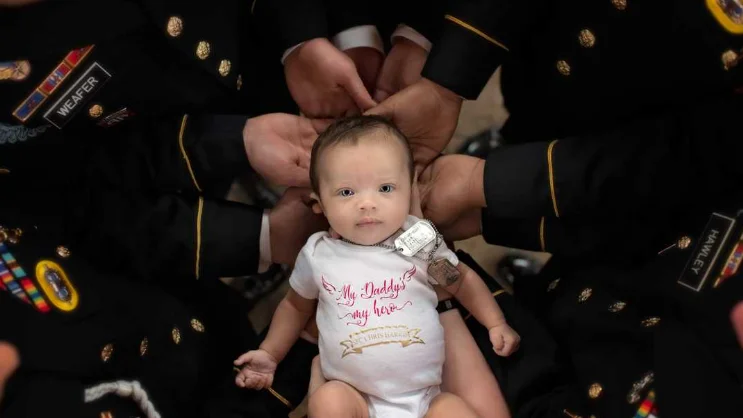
116	117
728	13
77	95
14	70
29	105
12	275
56	285
10	134
708	248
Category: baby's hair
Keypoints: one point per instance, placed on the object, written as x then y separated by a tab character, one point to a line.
348	131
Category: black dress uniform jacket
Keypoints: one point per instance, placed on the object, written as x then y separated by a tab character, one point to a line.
121	129
622	159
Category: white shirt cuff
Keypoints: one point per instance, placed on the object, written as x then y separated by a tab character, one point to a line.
359	36
289	51
405	31
264	248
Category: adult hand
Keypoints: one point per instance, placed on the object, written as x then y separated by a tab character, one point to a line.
292	222
368	61
9	362
279	145
324	81
452	196
427	114
736	316
402	67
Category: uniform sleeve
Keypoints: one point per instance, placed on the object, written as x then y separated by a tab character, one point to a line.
152	204
473	39
539	195
302	279
200	152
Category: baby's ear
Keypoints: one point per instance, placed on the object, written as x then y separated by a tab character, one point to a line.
316	204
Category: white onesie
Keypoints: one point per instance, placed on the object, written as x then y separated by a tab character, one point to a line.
379	328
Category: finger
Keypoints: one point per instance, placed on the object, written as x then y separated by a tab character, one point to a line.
737	318
499	343
356	89
239	381
245	358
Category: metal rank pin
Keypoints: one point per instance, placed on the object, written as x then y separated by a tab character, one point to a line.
143	346
63	252
95	111
175	333
682	244
617	306
563	67
107	352
197	325
729	59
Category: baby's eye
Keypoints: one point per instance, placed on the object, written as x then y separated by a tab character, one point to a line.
345	192
386	188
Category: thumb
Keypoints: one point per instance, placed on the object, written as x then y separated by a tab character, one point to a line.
245	358
356	89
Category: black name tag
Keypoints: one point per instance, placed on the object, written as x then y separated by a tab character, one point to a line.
706	252
75	98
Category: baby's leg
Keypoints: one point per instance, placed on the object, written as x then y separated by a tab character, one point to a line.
316	377
335	399
447	405
466	373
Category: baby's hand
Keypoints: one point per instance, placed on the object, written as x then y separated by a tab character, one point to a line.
257	371
504	339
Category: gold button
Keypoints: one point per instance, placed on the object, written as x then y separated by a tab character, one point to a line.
175	26
587	38
63	251
224	67
239	82
619	4
553	285
729	59
594	391
203	49
95	111
143	346
197	325
617	306
650	322
176	334
563	67
4	171
107	352
585	295
684	242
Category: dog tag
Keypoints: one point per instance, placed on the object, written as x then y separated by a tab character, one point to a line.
415	238
443	272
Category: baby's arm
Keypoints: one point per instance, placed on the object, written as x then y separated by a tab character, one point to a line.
472	292
290	318
288	321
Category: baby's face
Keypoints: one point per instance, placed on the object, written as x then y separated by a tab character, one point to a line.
365	188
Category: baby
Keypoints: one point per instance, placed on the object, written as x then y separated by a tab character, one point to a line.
380	339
